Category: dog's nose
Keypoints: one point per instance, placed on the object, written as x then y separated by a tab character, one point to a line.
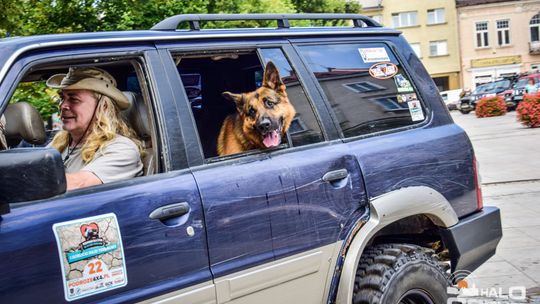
264	125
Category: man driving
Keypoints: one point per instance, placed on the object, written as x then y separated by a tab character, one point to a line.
96	144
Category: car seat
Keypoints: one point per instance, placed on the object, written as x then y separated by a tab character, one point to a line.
22	122
137	117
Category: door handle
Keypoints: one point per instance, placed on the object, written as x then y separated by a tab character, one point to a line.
169	211
336	175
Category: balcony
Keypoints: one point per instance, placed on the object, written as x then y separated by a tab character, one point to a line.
534	47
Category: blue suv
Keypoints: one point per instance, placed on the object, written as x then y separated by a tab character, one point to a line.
373	195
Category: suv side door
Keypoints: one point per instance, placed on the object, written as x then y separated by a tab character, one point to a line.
152	256
274	219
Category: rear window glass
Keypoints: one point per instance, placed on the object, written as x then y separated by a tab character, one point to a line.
366	86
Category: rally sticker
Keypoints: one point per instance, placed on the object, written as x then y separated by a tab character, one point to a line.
91	255
374	54
403	85
383	70
415	108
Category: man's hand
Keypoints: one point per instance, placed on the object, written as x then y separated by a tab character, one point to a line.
81	179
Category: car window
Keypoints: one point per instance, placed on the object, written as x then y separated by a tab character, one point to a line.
305	128
366	86
32	89
205	79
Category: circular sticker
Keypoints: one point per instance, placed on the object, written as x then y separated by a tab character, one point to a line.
383	70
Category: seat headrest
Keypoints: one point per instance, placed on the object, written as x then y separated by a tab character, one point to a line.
22	121
137	115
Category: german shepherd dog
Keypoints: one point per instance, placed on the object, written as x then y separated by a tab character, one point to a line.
262	119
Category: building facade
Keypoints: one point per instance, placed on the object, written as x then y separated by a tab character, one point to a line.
498	39
431	29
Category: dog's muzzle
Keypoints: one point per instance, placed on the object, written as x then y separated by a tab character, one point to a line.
270	131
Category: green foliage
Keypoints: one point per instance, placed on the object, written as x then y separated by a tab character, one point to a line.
9	16
38	95
31	17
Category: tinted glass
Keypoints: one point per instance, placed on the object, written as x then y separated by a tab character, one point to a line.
304	128
366	86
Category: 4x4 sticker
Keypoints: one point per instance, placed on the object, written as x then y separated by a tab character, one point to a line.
403	85
377	54
383	70
91	255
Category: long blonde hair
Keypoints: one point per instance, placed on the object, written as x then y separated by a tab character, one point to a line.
107	124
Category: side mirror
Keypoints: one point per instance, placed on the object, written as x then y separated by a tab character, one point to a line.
29	174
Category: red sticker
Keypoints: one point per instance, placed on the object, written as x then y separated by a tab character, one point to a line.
383	70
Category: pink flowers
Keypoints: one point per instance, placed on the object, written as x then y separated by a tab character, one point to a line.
529	110
490	106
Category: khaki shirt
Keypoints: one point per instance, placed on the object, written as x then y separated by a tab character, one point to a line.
119	159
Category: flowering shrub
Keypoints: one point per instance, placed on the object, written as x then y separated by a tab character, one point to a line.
528	111
490	106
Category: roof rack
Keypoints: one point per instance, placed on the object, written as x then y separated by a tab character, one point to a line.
171	23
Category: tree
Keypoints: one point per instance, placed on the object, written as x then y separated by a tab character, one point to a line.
44	99
9	17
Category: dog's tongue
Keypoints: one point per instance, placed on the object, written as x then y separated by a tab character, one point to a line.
272	139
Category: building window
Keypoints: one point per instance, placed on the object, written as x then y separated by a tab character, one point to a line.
435	16
404	19
482	34
416	49
503	32
438	48
534	25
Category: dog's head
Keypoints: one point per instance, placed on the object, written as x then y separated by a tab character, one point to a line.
90	231
266	113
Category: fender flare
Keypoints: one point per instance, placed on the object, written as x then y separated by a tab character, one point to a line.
384	210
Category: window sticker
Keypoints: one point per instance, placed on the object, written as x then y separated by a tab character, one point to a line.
401	98
415	108
374	54
383	70
403	85
91	255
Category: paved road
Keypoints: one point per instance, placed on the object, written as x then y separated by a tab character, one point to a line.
509	159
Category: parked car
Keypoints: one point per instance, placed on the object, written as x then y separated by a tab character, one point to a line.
499	87
451	98
519	87
373	195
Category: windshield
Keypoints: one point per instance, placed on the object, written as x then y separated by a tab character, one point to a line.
522	83
480	89
493	87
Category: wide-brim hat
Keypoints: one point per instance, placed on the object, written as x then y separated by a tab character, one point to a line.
93	79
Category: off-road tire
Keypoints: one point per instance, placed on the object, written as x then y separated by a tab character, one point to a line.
465	111
386	273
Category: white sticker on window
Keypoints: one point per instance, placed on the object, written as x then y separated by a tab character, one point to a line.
374	54
91	255
415	108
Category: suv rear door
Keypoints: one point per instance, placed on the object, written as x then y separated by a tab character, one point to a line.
44	245
275	218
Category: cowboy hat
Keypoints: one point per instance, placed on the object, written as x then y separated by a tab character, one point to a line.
93	79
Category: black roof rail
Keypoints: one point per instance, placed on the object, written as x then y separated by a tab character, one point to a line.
171	23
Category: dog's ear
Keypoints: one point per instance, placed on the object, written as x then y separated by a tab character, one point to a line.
237	98
271	78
